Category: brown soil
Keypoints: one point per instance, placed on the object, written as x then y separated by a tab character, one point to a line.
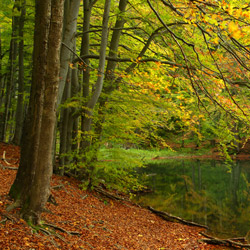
97	222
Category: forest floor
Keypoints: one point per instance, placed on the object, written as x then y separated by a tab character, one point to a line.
88	220
211	152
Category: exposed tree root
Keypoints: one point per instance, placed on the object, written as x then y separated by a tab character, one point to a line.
109	195
14	205
224	242
164	215
8	217
45	238
52	200
61	229
52	233
58	187
169	217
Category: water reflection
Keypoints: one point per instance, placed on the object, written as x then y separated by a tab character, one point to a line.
207	192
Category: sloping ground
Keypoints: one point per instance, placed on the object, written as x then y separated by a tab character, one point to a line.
86	220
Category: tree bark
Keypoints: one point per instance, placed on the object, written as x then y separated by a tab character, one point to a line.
1	81
115	40
85	46
70	21
71	10
20	106
64	121
32	128
111	65
10	77
99	83
74	118
92	99
40	190
31	187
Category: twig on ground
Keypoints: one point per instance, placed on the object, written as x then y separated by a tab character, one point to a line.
109	195
171	217
45	238
4	220
6	167
57	186
51	233
84	196
61	229
5	159
225	242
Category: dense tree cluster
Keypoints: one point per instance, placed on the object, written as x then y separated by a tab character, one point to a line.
117	73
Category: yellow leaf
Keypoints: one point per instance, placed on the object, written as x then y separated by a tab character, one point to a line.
71	65
237	34
230	9
238	13
216	40
214	16
232	27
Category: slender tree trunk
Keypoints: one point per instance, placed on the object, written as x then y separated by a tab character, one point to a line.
1	76
85	46
115	40
111	65
1	85
32	184
20	106
71	10
97	88
112	82
99	83
70	21
75	119
64	120
12	68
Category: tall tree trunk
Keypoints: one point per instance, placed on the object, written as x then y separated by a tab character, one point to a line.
71	10
32	128
41	189
70	22
99	83
32	184
20	106
75	119
1	81
64	120
97	88
85	46
115	40
10	78
111	65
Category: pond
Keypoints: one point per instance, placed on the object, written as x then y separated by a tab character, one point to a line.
208	192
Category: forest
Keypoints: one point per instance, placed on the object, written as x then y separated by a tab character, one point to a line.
91	89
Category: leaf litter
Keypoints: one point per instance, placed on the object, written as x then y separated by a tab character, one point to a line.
87	220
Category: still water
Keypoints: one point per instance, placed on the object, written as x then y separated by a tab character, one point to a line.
208	192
